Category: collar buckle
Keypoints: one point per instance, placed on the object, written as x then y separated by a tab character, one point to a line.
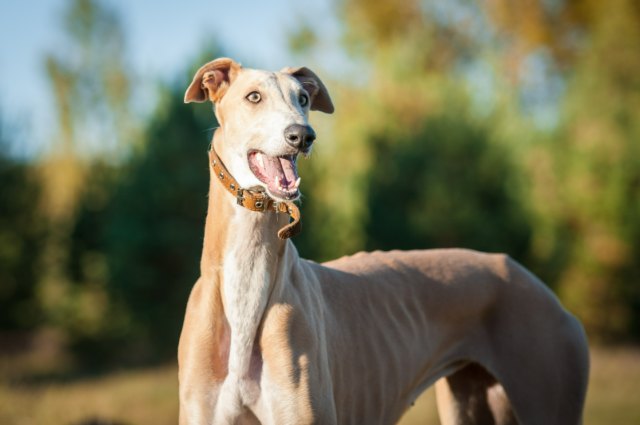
240	197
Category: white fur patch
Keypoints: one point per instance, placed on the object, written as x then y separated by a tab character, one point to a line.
247	281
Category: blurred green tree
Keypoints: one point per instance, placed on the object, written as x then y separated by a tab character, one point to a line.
20	239
91	87
408	163
444	183
592	206
155	223
585	173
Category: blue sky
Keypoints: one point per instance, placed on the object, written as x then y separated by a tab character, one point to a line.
163	36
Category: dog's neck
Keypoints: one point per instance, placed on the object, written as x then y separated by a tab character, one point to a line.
242	256
229	224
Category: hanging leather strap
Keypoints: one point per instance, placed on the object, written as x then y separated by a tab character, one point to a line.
256	199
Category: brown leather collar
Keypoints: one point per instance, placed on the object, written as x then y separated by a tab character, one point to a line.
256	200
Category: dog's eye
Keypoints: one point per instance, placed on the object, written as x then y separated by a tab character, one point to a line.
303	99
254	97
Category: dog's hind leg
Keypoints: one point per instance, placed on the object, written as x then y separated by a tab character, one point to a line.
472	395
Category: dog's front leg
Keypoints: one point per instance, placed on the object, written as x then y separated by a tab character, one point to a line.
202	356
296	384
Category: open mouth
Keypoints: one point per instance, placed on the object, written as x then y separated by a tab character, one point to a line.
278	173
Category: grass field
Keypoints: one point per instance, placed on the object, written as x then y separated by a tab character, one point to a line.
150	397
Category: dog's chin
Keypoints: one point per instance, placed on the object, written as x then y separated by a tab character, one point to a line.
278	174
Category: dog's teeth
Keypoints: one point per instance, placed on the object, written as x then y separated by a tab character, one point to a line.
261	161
277	181
297	183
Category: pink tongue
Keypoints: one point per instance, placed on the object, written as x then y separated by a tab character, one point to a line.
283	168
290	172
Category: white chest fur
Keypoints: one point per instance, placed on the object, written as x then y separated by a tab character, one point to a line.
248	273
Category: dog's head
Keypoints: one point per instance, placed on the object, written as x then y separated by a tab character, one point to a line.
264	119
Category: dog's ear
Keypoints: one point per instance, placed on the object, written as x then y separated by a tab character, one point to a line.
212	80
320	100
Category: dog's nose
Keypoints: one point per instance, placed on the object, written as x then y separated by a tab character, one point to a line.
299	136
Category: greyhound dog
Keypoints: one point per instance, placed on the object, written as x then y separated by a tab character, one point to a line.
274	339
